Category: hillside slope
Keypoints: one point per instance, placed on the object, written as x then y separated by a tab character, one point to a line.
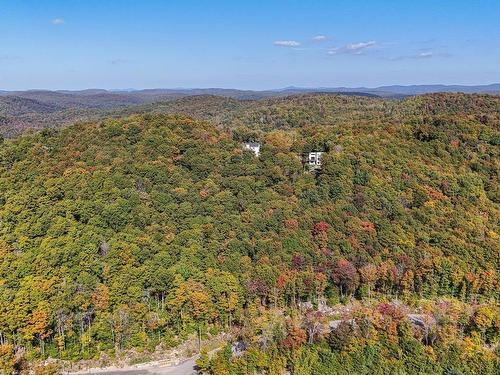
39	109
128	232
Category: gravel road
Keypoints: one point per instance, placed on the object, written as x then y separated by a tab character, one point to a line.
185	368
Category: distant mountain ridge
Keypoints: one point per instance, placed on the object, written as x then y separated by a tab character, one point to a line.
146	95
396	90
38	109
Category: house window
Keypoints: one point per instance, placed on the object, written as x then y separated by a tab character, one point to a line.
315	159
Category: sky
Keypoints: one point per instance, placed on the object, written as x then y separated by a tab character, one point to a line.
247	44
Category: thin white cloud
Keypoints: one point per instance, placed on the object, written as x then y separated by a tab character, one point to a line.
352	48
424	55
319	38
8	58
119	61
420	56
286	43
356	47
58	21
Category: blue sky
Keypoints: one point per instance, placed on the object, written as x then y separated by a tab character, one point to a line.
77	44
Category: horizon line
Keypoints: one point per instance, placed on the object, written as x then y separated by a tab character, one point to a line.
290	87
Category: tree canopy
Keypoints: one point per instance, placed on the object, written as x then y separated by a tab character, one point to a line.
138	231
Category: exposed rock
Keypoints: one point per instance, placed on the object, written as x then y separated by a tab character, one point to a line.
104	248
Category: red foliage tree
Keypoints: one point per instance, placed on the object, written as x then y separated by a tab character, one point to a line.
320	229
346	277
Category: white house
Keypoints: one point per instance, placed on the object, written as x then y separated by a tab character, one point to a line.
314	159
252	146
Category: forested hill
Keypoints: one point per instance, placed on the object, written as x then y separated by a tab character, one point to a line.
322	109
37	110
130	232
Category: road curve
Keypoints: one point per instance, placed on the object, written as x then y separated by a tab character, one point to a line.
185	368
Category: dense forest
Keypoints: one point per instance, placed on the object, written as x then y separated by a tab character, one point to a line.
140	232
22	111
